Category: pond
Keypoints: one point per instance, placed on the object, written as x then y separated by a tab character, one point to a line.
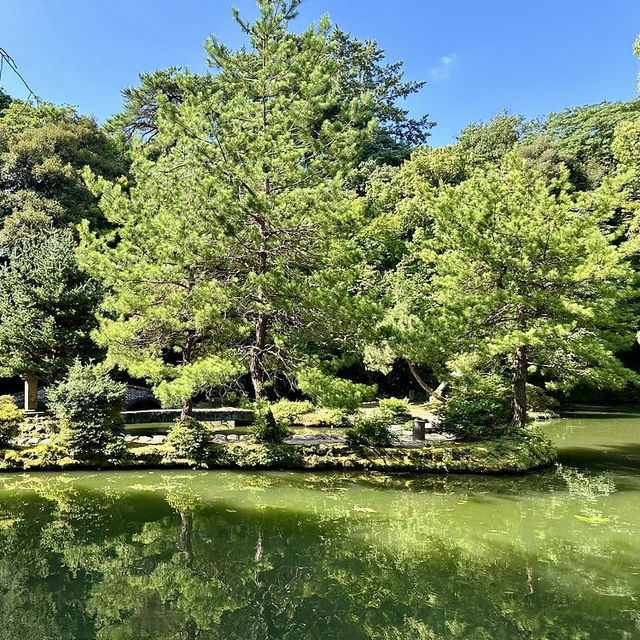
239	555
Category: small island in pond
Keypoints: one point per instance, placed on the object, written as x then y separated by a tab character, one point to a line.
277	235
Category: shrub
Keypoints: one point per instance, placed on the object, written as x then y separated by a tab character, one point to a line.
278	456
490	387
334	393
287	412
266	429
190	439
469	417
341	419
395	409
88	404
371	431
10	419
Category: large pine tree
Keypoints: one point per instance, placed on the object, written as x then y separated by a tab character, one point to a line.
512	275
226	233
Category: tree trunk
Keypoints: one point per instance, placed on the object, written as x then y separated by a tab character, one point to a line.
519	385
255	364
187	409
420	380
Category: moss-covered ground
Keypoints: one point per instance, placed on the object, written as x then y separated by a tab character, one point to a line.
514	453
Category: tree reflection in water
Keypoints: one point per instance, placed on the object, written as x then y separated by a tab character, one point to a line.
253	556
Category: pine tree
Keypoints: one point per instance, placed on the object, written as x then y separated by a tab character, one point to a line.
516	276
225	236
47	308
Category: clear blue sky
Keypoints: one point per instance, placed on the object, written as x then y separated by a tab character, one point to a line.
478	56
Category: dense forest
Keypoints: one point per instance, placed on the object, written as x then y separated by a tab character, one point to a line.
280	227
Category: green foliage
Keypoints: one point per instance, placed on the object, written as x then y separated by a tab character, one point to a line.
42	152
488	143
510	260
10	419
142	104
519	452
469	417
287	412
47	305
230	250
262	456
334	393
191	439
5	100
361	71
396	409
341	419
585	134
88	404
266	429
371	431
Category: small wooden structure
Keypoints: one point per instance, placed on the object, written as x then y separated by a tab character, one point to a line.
30	394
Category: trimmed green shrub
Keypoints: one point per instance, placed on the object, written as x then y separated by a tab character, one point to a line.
266	429
278	456
334	393
287	412
190	439
10	419
88	404
371	431
469	417
396	409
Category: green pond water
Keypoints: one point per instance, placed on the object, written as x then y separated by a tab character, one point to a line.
195	555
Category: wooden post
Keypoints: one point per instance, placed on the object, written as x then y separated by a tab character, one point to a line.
30	393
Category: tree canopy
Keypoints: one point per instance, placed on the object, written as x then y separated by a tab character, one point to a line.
42	152
235	238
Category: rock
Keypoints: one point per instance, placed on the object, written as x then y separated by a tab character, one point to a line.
232	437
219	438
145	439
33	441
158	439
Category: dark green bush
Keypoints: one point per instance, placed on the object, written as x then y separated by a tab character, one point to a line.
371	431
469	417
10	419
88	405
265	428
190	439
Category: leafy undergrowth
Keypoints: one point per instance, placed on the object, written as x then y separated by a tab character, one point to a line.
516	453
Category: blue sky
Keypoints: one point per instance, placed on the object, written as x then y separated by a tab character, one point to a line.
478	56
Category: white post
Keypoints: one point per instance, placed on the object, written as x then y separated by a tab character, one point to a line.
30	393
